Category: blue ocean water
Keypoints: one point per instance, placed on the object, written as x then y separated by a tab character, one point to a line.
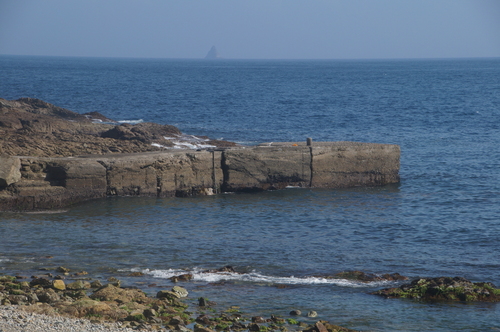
441	220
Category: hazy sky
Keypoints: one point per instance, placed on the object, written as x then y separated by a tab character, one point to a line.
252	29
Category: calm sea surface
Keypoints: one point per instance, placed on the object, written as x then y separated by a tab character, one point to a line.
441	220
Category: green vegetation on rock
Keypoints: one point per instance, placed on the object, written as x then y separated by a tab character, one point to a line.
444	289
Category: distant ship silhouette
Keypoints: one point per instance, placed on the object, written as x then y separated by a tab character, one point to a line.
213	54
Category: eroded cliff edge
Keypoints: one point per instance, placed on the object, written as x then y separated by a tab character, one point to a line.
32	127
48	180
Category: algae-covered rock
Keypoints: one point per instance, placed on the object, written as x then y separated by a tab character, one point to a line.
324	326
7	279
121	295
42	282
58	284
182	292
95	284
201	328
48	296
78	285
444	289
165	294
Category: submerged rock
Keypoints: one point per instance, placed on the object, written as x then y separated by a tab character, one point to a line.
312	314
368	277
224	269
444	289
62	269
182	277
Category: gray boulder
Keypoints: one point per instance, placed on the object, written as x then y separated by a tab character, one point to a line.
10	170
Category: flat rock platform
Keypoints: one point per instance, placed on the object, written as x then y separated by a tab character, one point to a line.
40	183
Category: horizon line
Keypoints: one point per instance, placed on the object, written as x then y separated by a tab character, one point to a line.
254	59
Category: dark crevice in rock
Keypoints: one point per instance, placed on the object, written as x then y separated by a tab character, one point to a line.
110	191
158	186
225	172
214	178
311	166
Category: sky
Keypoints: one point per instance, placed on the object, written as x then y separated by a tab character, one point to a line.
257	29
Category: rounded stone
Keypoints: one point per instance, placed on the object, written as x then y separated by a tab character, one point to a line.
58	284
180	290
312	313
62	269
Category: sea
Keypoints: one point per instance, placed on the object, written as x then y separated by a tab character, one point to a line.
442	219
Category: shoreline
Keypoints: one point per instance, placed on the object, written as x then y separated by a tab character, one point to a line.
79	302
59	303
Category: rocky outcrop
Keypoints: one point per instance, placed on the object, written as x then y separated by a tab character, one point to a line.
54	157
320	165
444	289
48	183
367	277
266	167
32	127
350	164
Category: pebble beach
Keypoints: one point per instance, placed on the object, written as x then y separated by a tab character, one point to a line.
14	319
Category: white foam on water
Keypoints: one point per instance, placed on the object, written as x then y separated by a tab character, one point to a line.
255	277
194	146
190	142
159	145
131	121
45	212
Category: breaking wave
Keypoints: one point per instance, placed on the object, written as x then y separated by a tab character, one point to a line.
258	278
133	122
184	141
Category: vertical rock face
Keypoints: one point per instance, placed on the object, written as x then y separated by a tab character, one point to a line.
31	183
80	175
9	170
264	168
350	164
125	177
164	174
189	173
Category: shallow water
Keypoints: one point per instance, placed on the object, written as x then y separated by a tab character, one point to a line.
441	220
